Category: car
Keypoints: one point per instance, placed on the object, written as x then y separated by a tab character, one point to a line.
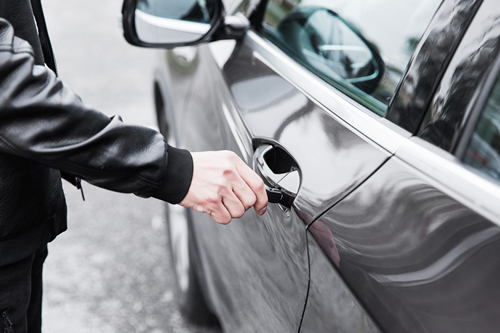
375	126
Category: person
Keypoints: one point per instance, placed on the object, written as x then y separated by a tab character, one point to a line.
47	132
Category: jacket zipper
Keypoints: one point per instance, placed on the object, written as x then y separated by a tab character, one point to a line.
7	323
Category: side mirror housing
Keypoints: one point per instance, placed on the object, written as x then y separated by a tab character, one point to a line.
173	23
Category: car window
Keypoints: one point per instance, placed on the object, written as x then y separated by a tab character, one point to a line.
483	152
360	47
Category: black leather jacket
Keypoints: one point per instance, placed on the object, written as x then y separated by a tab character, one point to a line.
46	129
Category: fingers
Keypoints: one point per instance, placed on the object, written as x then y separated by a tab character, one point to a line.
235	199
224	187
256	185
244	193
220	214
233	205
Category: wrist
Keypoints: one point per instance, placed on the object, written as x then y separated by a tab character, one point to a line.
178	175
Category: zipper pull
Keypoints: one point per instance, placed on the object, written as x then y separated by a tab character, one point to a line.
80	187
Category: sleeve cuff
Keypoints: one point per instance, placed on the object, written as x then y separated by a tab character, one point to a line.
178	176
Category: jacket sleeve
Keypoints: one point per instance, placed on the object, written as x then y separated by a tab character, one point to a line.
43	120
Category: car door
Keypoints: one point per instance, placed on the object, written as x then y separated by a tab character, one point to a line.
257	267
290	101
417	243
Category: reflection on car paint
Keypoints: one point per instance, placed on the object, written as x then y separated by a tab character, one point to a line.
321	144
324	237
419	260
335	309
257	266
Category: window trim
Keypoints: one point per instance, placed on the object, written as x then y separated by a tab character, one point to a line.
476	110
451	176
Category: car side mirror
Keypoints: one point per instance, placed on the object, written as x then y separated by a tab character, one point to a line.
172	23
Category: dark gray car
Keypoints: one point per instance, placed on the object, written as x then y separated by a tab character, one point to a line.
375	125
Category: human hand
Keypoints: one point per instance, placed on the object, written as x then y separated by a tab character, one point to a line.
224	187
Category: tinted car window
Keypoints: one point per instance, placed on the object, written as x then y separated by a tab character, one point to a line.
483	152
360	47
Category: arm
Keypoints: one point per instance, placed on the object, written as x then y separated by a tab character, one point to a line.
43	120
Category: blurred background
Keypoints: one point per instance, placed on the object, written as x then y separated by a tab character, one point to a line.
109	271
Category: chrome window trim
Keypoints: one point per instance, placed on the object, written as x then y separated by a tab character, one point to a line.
358	118
454	178
474	112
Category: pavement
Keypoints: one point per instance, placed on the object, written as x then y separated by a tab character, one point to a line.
110	271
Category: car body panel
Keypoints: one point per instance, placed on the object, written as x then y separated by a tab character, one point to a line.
322	144
417	241
418	259
254	267
331	306
265	258
374	230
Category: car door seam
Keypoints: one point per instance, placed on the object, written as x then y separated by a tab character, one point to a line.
317	217
348	192
308	283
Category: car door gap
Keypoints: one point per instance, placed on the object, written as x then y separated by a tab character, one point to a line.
308	283
317	217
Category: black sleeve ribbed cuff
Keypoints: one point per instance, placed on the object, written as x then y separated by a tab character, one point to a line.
178	176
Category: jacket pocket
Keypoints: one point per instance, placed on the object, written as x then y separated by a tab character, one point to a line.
7	325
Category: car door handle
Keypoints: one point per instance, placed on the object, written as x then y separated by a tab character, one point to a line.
280	174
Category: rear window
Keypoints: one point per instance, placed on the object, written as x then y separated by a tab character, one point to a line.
483	152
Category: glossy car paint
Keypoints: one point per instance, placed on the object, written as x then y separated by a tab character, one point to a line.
319	142
332	306
236	257
266	258
258	268
417	241
419	260
401	243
